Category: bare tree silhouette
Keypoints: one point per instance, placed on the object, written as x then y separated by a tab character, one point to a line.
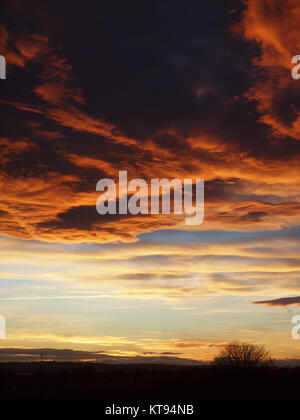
236	354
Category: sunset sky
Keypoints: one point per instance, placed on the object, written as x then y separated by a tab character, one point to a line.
161	89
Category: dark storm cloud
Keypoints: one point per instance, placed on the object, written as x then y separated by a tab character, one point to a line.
148	66
81	218
152	66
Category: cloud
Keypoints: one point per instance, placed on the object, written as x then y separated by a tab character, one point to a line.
273	26
163	90
106	348
280	302
193	344
50	135
191	267
81	122
21	48
64	355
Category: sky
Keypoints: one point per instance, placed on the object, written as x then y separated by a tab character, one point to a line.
161	89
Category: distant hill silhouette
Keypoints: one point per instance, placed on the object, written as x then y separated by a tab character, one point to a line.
65	355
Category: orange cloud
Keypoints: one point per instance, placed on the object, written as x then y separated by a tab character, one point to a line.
18	49
51	196
274	27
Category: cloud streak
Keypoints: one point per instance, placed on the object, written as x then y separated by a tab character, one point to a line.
280	302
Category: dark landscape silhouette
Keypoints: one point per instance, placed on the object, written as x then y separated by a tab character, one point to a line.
87	381
98	381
